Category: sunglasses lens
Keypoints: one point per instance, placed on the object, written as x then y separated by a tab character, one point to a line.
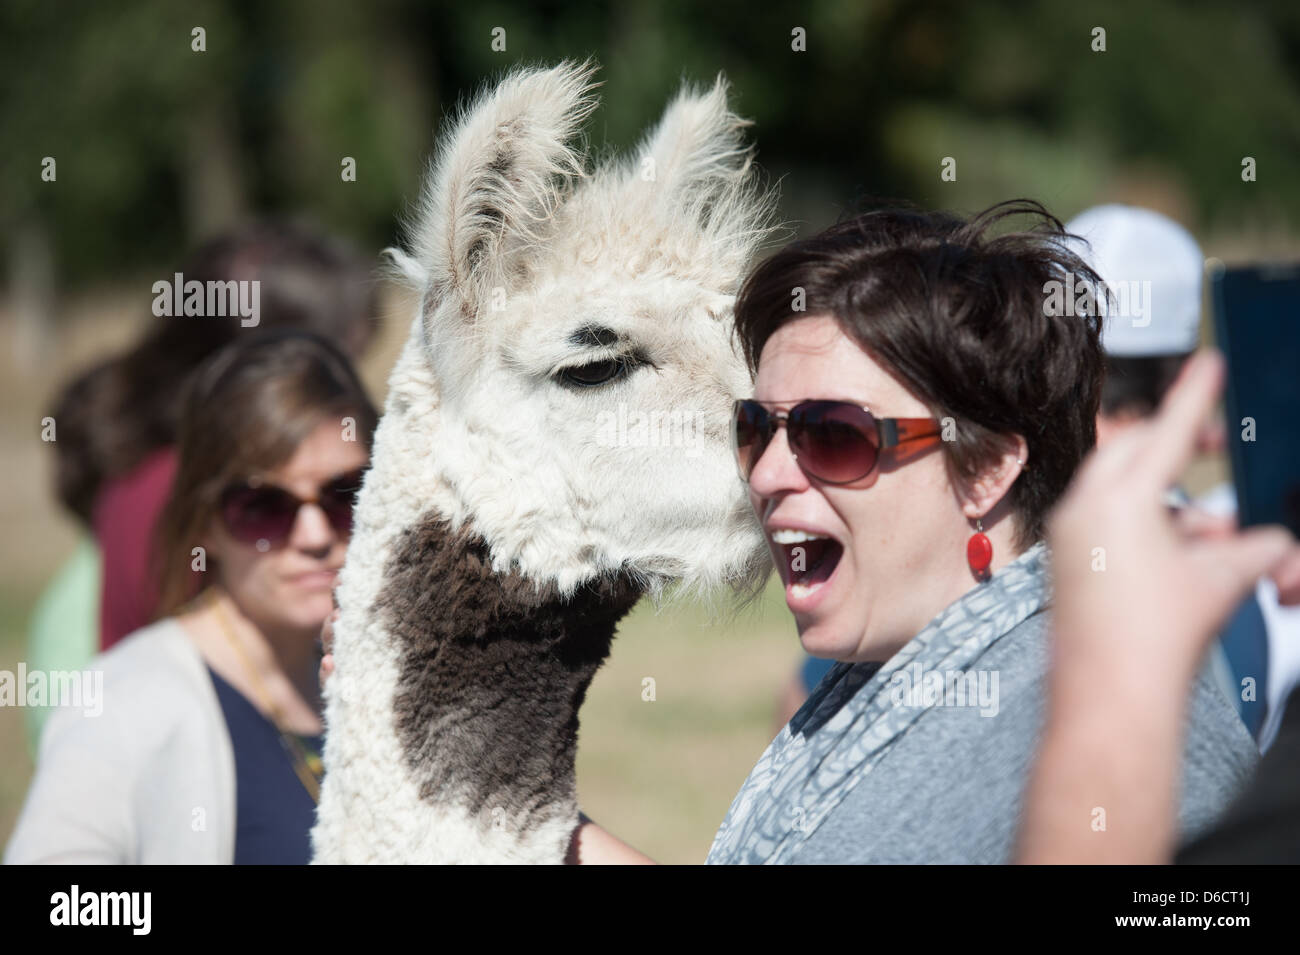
748	435
835	441
337	499
258	513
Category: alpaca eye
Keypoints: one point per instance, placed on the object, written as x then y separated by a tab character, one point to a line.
597	373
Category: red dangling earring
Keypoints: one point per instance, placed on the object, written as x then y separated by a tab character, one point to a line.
979	551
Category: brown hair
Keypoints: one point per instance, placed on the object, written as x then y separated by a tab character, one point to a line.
958	314
117	413
245	411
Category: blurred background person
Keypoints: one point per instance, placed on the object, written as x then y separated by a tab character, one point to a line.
1141	636
1154	269
115	456
207	748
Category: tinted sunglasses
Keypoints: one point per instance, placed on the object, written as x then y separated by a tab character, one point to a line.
836	442
255	511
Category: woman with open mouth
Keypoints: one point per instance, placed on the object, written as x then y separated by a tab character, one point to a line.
910	429
918	409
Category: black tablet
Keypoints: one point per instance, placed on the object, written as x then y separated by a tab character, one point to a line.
1257	325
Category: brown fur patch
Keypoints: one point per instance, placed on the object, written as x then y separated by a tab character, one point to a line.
492	674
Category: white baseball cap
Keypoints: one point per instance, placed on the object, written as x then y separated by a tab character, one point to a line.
1154	266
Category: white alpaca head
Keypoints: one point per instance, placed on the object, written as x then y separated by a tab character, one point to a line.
577	326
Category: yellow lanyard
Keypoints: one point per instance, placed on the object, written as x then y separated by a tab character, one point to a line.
306	765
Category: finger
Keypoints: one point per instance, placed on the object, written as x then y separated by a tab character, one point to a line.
327	632
1248	556
1179	419
1196	523
1213	436
1111	463
1287	577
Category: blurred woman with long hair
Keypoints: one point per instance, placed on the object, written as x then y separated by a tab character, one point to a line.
115	456
206	746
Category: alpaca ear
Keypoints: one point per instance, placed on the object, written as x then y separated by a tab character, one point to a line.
694	176
499	175
697	151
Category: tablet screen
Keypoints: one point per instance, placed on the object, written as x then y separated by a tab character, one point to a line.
1257	324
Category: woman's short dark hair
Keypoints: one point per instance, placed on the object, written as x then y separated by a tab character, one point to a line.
959	314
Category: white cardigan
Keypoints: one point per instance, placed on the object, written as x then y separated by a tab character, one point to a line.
151	779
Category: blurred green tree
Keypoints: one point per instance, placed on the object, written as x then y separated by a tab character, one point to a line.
157	145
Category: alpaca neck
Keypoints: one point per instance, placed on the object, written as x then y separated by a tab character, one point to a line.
492	670
452	716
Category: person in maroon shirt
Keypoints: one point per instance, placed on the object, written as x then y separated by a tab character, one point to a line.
125	517
117	422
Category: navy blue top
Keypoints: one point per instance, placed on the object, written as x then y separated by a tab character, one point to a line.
274	813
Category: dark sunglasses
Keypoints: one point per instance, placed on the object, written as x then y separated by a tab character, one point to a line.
255	511
836	442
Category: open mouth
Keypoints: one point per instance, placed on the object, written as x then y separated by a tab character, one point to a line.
810	559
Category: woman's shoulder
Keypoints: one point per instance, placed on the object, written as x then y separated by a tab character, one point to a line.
1024	650
143	688
162	646
137	738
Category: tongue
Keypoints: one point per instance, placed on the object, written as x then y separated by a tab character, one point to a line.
813	562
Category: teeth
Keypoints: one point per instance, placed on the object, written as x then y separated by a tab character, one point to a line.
786	536
803	590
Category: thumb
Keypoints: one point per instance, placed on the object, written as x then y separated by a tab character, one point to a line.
1248	556
1287	577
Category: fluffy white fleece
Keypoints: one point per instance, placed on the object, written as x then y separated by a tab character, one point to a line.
515	245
